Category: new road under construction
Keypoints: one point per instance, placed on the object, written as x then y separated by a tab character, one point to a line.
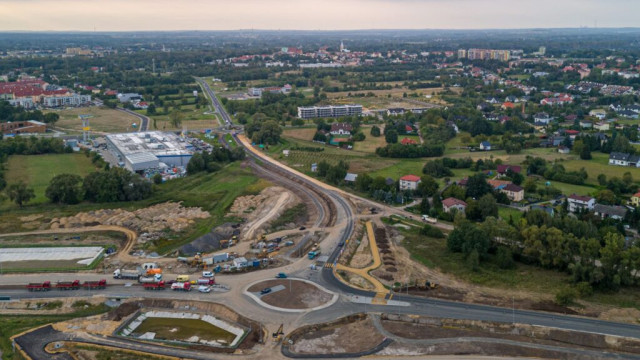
321	297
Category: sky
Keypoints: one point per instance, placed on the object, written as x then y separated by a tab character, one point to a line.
131	15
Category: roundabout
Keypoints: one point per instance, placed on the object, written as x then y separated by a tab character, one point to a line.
290	295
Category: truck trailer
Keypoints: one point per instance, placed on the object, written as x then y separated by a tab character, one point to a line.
126	274
68	285
181	286
43	286
160	285
100	284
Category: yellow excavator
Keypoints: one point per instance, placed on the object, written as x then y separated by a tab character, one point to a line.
277	336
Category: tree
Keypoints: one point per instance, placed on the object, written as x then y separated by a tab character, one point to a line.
530	185
488	206
151	110
454	191
375	131
602	179
20	193
391	136
428	186
157	179
65	189
436	169
175	118
51	118
585	154
606	197
477	186
425	206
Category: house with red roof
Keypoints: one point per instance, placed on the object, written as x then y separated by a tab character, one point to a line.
452	203
409	182
502	169
407	141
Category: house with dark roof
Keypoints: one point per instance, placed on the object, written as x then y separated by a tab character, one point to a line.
611	212
502	169
452	203
624	159
485	145
542	118
341	129
395	111
513	192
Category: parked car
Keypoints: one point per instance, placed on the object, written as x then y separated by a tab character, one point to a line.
302	228
207	274
265	291
204	289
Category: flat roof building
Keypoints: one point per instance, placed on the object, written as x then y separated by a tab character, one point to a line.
146	150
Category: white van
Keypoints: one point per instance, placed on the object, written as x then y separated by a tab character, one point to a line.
207	274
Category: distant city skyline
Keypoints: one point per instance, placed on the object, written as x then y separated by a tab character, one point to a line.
135	15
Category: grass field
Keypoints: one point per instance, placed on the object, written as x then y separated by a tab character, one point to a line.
183	329
371	143
599	164
102	119
506	212
301	133
38	170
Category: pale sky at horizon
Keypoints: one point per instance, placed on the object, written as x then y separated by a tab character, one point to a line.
131	15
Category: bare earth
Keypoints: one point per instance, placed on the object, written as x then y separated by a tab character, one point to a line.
350	338
296	295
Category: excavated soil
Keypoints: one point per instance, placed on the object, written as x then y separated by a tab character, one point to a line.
353	337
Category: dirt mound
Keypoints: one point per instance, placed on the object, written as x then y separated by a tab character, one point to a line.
209	242
153	219
123	311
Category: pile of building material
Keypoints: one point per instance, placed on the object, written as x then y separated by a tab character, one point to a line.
169	215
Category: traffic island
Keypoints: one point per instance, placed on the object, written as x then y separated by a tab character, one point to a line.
290	295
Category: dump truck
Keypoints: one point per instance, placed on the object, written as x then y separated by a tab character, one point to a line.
68	285
181	286
150	279
126	274
206	281
154	285
41	286
100	284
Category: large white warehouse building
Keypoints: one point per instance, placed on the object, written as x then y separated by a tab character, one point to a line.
150	149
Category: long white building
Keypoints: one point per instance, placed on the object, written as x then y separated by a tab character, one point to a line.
150	149
312	112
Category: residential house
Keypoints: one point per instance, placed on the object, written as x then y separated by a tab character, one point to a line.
635	199
513	192
601	114
485	145
586	124
580	203
409	182
613	212
624	159
408	129
407	141
507	105
395	111
491	117
341	129
451	203
502	169
629	114
563	149
542	118
602	126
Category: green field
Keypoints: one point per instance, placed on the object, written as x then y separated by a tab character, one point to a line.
507	212
38	170
183	329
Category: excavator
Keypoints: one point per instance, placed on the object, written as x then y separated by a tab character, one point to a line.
277	336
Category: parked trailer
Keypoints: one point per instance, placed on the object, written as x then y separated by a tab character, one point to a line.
181	286
126	274
68	285
154	285
100	284
43	286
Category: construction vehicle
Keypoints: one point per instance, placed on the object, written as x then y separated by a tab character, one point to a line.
100	284
206	281
154	285
181	286
281	276
315	252
43	286
154	272
150	279
277	336
182	278
126	274
68	285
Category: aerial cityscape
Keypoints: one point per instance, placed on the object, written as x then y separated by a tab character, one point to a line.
272	180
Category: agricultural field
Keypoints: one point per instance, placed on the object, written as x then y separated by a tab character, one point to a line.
300	133
103	120
381	101
38	170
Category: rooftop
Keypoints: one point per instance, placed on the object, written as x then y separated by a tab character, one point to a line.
155	142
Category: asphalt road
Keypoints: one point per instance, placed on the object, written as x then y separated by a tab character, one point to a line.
144	120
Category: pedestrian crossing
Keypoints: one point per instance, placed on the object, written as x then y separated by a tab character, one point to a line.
329	265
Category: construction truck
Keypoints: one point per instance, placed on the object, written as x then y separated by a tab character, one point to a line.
154	272
41	286
150	279
100	284
68	285
181	286
206	281
154	285
126	274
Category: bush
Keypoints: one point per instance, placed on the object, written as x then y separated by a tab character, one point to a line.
430	231
504	258
584	289
566	296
